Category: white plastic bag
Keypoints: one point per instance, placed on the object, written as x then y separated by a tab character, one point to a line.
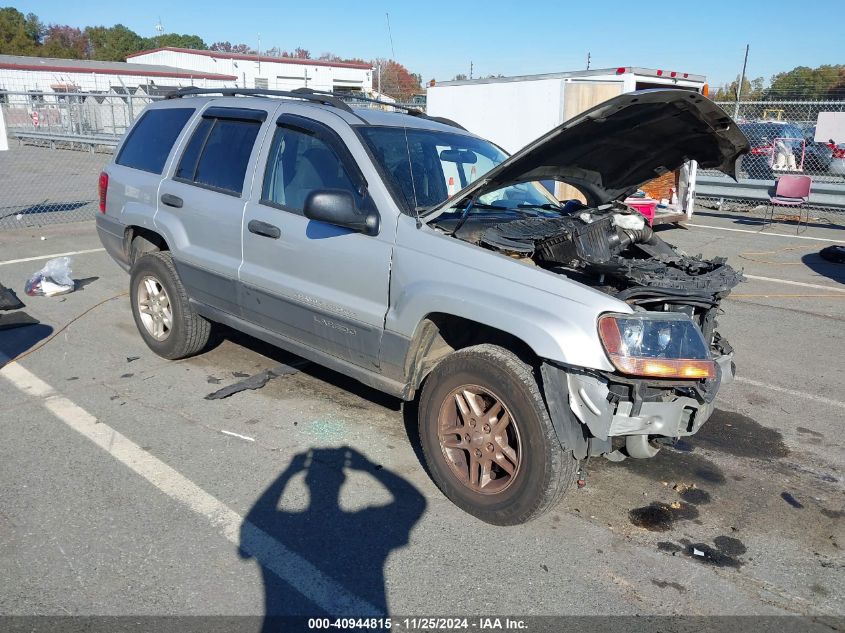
54	279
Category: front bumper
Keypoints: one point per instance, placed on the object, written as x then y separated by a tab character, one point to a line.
654	408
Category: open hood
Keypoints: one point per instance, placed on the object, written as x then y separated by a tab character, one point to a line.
613	148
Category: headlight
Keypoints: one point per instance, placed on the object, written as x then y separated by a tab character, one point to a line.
660	345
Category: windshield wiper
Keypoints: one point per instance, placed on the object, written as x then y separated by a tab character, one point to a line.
466	212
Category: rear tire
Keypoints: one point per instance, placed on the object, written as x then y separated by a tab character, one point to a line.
487	438
165	319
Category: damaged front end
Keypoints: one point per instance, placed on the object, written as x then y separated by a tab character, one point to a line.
613	250
669	358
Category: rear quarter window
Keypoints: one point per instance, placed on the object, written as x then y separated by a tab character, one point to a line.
150	141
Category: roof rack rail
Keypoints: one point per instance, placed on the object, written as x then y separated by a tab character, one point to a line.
308	94
408	109
300	93
354	97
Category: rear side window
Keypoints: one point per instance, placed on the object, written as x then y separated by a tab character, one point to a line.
217	155
150	141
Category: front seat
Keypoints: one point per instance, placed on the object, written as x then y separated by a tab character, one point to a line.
311	172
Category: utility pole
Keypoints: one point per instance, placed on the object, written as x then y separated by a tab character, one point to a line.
588	60
741	81
259	54
470	70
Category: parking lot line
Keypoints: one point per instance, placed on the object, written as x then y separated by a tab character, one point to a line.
796	237
286	564
39	257
795	283
791	392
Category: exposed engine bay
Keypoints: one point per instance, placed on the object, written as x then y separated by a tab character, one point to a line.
611	249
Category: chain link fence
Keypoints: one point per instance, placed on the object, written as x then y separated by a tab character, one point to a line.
784	140
58	144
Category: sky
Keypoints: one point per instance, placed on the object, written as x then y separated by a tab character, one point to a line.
438	39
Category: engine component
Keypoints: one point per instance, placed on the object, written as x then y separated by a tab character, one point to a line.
615	250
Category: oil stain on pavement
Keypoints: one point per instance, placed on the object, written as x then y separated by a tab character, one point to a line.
740	435
724	552
676	466
661	517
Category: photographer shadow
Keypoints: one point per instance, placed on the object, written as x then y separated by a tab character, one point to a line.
347	548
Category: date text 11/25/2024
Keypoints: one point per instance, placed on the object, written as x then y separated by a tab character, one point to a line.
480	624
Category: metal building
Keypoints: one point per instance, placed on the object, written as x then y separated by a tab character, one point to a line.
34	78
261	71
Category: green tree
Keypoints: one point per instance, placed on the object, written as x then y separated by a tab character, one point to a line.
34	28
19	34
228	47
804	82
113	43
194	42
752	90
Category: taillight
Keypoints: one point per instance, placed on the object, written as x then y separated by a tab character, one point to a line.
763	150
839	152
104	190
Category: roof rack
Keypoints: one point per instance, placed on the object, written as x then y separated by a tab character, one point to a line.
308	94
407	109
300	93
353	96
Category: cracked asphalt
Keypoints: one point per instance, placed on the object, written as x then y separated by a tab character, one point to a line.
191	506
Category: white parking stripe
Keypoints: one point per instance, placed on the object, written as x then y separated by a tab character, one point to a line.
795	283
791	392
40	257
319	588
795	237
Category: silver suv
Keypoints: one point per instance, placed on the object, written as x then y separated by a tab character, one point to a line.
420	259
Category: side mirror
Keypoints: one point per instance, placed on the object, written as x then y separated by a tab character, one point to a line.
336	206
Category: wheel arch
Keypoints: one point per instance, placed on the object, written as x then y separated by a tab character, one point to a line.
138	240
440	333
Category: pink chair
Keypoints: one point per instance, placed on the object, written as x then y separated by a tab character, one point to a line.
791	191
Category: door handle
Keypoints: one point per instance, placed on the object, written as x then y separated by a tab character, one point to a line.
264	229
171	201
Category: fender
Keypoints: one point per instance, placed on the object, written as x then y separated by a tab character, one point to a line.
555	316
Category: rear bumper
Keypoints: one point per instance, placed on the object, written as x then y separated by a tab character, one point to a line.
112	235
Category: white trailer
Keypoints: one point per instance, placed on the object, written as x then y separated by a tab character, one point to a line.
513	111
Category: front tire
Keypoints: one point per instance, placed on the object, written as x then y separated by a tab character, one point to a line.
165	319
487	438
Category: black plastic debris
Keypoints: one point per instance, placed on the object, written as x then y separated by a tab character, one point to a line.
9	300
256	381
834	254
791	500
16	319
129	359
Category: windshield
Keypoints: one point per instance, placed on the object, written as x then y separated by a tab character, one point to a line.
426	167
